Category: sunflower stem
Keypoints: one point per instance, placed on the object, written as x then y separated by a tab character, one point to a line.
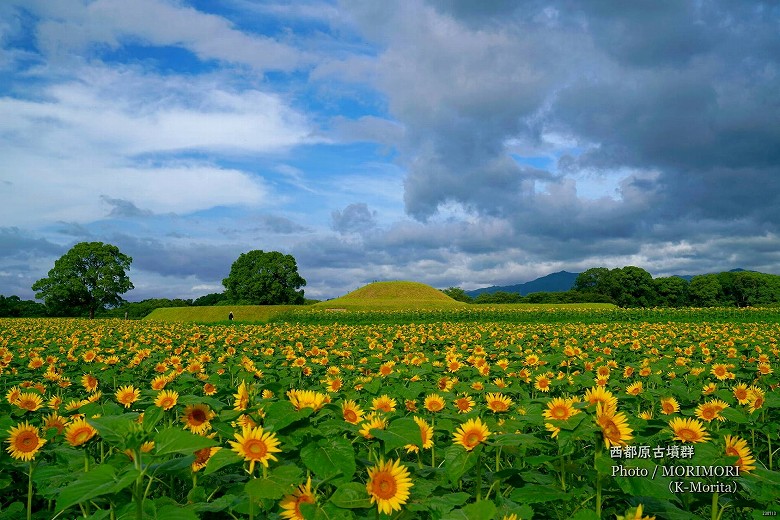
563	472
86	469
714	514
769	441
479	476
596	456
139	482
29	491
433	446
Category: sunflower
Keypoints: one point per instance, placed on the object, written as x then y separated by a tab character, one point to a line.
560	409
256	446
197	418
737	447
554	430
711	410
78	432
614	426
24	442
13	395
471	434
709	388
372	422
334	384
291	504
29	401
498	402
159	382
75	404
246	421
464	404
166	399
384	403
351	412
741	393
146	447
56	421
721	371
688	430
646	414
669	405
388	485
54	402
635	388
598	394
434	403
242	397
202	457
127	395
635	514
426	434
542	383
307	399
755	398
89	382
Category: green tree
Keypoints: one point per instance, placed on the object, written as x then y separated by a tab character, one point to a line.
89	277
596	280
457	294
751	288
209	299
260	278
632	287
671	291
705	291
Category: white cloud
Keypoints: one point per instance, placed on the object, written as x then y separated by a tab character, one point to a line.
75	25
70	189
80	140
134	113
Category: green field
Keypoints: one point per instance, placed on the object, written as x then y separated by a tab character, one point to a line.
214	314
404	301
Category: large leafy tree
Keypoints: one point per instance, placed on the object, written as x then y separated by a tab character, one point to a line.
261	278
90	276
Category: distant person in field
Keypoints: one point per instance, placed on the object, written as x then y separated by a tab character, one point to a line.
230	316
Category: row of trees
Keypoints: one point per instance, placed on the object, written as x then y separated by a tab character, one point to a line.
91	277
634	287
460	295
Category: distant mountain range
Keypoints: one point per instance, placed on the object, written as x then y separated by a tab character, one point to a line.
556	282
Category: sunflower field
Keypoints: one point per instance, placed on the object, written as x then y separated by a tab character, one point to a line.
110	419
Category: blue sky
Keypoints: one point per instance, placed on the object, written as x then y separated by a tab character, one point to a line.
451	142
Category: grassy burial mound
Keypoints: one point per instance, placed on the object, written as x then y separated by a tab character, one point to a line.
392	295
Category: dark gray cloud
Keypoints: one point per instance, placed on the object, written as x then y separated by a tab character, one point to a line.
121	208
355	218
176	259
677	100
20	244
280	225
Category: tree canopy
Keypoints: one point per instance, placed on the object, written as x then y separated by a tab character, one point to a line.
89	277
260	278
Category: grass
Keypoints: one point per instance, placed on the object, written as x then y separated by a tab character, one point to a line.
241	313
545	306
